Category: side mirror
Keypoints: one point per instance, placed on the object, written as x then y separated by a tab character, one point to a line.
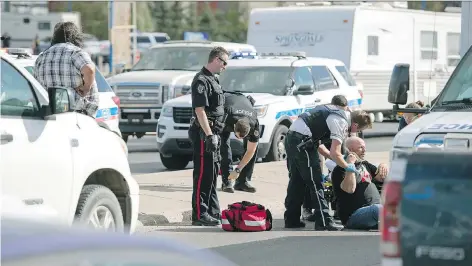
399	84
61	100
289	83
305	90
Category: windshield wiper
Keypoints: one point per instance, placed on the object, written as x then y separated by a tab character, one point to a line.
184	69
463	100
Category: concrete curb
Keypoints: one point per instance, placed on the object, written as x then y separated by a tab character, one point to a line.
165	218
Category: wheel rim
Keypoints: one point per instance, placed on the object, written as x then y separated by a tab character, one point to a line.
281	152
101	218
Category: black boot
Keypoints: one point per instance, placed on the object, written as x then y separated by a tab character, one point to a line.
227	187
246	187
307	214
206	220
329	225
295	224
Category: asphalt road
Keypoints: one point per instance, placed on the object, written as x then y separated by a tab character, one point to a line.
144	158
281	247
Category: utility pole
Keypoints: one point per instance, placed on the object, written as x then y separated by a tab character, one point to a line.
110	35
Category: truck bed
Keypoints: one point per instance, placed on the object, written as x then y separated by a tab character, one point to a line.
436	209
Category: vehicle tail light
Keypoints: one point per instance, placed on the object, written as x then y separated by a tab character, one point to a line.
389	220
116	100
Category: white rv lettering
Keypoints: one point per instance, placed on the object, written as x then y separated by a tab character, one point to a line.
440	253
300	39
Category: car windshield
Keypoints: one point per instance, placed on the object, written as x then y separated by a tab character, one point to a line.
346	75
256	79
173	58
102	84
459	86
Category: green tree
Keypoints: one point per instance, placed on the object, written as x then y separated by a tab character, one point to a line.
177	21
144	18
437	6
190	18
160	13
208	23
233	26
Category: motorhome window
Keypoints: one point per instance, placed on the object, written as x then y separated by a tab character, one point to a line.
324	80
429	45
453	48
161	38
302	76
372	45
346	75
266	79
173	58
17	97
460	83
44	25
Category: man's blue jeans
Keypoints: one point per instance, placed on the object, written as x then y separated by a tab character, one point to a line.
365	218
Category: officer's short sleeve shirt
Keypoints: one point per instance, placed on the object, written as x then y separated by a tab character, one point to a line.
338	126
254	134
200	94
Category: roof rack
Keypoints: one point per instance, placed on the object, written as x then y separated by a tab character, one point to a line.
299	55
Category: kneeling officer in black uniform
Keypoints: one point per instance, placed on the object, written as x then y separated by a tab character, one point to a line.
242	120
313	127
205	127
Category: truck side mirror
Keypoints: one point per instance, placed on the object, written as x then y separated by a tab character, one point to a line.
61	100
399	84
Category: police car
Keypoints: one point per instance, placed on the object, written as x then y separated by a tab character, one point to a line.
108	109
164	72
62	159
283	85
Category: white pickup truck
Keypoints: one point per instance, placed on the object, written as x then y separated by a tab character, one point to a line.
283	86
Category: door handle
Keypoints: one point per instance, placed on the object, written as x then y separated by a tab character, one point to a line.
6	137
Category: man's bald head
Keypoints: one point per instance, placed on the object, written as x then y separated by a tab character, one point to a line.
356	145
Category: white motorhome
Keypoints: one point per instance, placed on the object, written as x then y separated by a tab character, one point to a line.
370	40
23	28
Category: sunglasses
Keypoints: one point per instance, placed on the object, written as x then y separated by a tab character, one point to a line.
224	62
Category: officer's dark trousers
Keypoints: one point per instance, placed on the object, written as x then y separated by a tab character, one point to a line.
304	171
205	172
227	158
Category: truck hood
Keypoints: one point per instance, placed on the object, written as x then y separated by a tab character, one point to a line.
261	99
434	122
167	77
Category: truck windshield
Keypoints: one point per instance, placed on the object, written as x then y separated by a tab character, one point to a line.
256	79
173	58
459	87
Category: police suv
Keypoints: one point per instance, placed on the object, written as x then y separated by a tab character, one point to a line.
164	72
108	109
283	85
60	158
427	218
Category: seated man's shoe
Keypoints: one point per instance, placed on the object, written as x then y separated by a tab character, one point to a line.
328	226
307	215
206	220
298	224
228	187
246	187
217	217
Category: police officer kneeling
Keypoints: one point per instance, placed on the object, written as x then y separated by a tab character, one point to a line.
302	144
206	125
241	118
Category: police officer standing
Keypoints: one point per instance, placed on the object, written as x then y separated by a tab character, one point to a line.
303	140
242	120
206	125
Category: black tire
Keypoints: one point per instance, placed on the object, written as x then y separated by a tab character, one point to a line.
175	162
94	196
275	152
125	137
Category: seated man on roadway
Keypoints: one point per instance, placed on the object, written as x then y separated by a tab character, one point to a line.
358	198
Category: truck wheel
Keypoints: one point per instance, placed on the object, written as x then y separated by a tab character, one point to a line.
125	137
277	150
99	208
140	134
174	162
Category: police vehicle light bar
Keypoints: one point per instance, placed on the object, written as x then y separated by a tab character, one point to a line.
18	51
294	54
241	55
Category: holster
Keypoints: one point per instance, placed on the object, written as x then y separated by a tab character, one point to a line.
215	125
306	145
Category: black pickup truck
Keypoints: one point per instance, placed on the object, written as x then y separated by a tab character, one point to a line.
427	216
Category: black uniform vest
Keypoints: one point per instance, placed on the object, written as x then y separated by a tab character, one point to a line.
315	119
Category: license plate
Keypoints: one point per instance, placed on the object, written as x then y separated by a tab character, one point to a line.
135	120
